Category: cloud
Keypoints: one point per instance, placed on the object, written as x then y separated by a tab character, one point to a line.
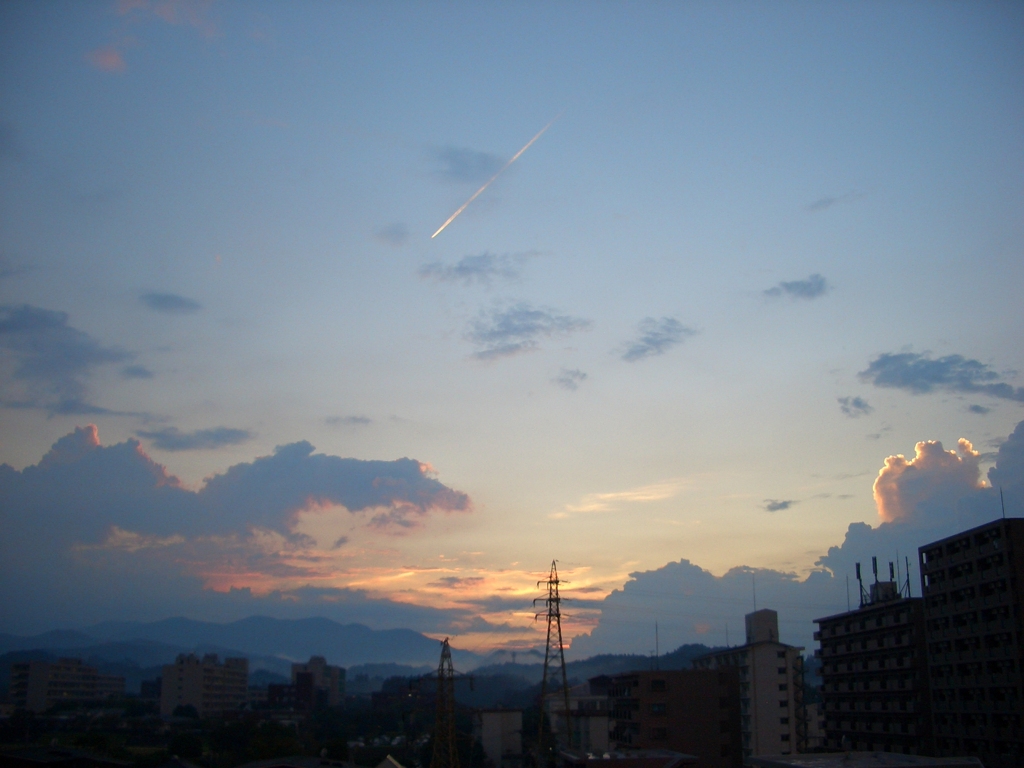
107	59
979	409
466	165
348	421
170	303
519	328
136	372
919	374
171	439
482	269
48	361
939	497
933	473
854	406
656	337
570	379
823	203
191	13
811	288
393	234
777	505
605	502
95	531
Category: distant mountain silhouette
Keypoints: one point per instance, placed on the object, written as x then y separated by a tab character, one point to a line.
294	639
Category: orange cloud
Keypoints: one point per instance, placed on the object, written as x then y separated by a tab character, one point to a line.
933	473
107	59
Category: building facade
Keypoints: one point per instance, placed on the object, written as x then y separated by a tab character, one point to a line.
206	684
39	685
874	675
694	712
773	717
327	680
973	584
500	732
589	707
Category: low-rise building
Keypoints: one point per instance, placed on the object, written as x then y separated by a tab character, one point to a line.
39	685
207	685
589	708
693	712
500	732
771	679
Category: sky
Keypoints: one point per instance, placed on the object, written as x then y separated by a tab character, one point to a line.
747	311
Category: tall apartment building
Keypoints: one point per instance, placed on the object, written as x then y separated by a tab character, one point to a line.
693	711
973	586
209	686
874	677
39	685
772	714
500	732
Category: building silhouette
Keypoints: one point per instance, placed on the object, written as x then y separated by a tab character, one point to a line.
772	714
973	584
874	674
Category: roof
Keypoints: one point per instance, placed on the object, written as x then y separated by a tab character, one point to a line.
861	760
637	758
297	761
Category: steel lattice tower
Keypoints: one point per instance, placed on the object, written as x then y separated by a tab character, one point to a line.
446	753
554	617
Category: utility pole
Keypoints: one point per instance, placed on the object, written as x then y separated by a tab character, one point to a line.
554	642
446	753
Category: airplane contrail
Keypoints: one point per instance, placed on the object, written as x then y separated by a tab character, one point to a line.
490	180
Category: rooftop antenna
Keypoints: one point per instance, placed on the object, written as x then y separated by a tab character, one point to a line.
657	647
1002	506
874	567
847	593
727	635
753	581
899	579
908	576
860	582
892	575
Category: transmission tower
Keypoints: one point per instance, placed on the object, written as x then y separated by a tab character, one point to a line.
446	753
554	617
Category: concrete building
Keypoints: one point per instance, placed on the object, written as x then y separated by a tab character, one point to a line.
328	681
206	684
39	685
973	584
693	712
589	706
500	732
773	717
874	674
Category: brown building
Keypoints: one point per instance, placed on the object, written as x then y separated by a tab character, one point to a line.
874	674
973	585
773	719
695	712
39	685
209	686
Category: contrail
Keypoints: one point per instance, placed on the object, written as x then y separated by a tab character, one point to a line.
490	180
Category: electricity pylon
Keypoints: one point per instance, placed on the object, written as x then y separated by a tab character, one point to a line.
446	753
554	617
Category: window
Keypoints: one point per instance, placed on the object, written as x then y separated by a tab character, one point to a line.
659	708
783	721
782	670
659	734
785	737
781	654
658	686
784	703
783	687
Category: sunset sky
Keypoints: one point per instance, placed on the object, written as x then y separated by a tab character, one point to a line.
761	249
